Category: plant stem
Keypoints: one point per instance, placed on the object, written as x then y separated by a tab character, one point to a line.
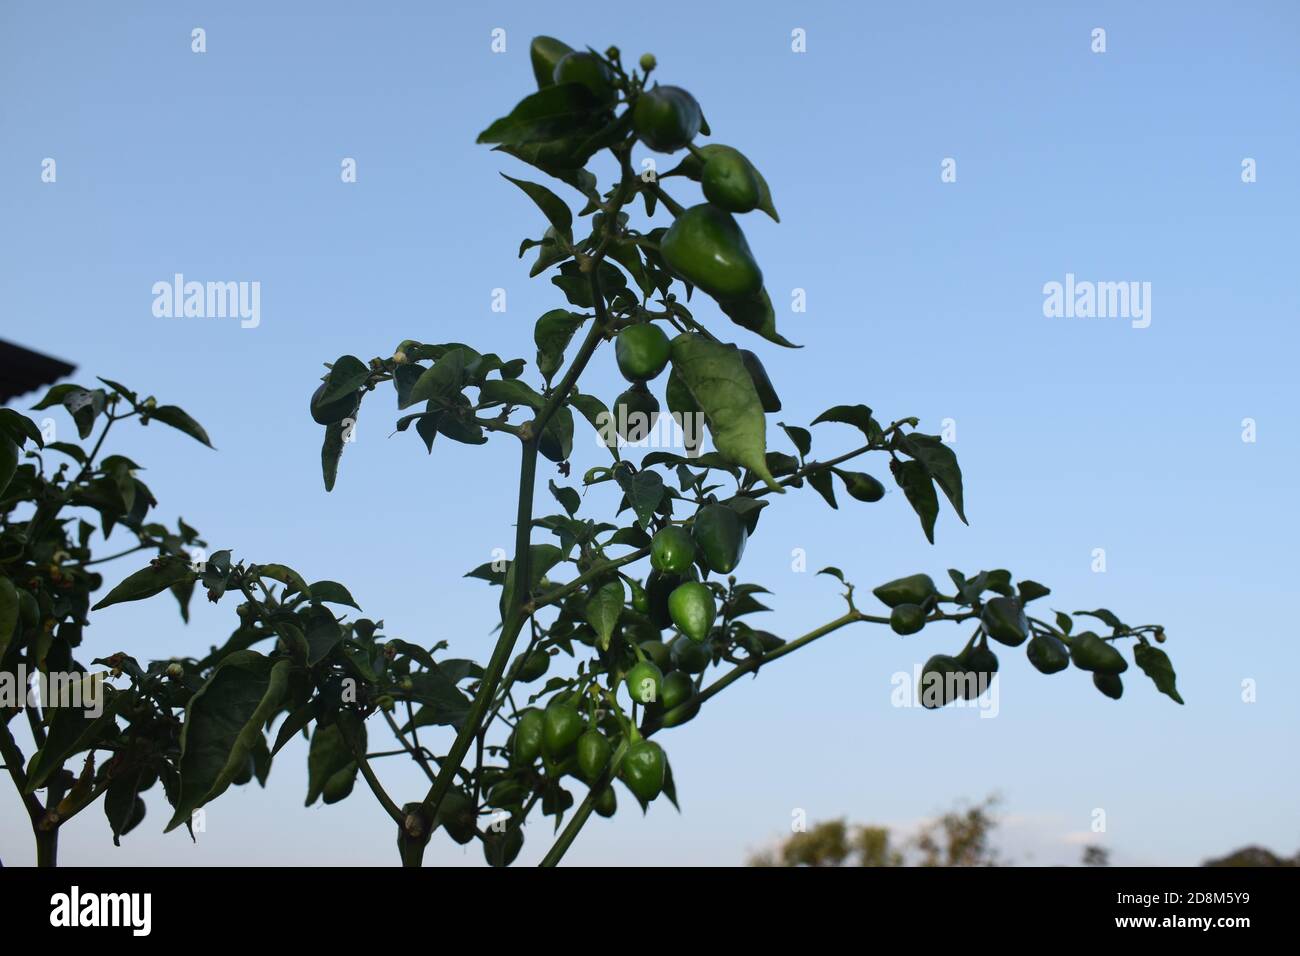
47	847
505	643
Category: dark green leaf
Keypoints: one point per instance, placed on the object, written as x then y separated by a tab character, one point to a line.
1156	665
332	592
941	464
176	418
222	723
147	582
552	206
603	610
919	489
346	376
717	379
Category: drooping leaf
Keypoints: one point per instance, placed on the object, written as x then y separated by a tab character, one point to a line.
323	634
941	463
331	765
222	722
1155	664
717	379
552	335
823	484
554	208
603	610
919	489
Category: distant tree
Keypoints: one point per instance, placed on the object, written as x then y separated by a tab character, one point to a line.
1254	856
958	838
1096	856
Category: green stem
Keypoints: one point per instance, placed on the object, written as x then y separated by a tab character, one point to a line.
47	847
505	643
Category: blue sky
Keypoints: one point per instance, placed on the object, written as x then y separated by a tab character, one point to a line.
924	298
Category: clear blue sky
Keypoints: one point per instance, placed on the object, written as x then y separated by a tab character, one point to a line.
924	298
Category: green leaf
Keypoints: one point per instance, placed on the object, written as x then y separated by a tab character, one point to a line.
603	610
552	206
859	416
717	379
296	721
20	427
1106	617
71	731
178	419
404	379
287	576
331	766
323	634
510	392
757	315
1155	664
8	460
346	376
824	485
549	114
445	379
122	804
556	442
568	498
333	592
56	396
801	437
1032	591
597	415
917	486
147	582
223	723
835	573
941	463
644	491
1064	622
8	613
552	335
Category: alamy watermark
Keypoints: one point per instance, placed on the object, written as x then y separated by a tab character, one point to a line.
179	299
684	430
1098	300
75	690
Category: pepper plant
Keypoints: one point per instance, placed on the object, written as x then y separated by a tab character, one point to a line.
635	620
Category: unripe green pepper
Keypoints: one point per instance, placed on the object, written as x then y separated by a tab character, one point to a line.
643	769
594	751
705	247
693	609
1004	620
666	118
1090	653
914	589
645	682
562	726
907	619
720	536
